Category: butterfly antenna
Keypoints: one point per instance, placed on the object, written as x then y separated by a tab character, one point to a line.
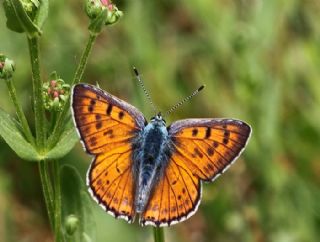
183	101
144	89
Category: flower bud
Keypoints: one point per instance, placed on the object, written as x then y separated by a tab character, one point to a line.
7	67
113	16
103	9
53	83
71	224
55	94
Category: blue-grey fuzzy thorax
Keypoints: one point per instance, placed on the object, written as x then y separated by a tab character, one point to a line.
151	152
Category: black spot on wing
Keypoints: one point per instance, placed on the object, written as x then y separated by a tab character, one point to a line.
90	109
208	133
194	132
108	133
210	151
93	141
197	153
99	125
109	109
121	115
226	133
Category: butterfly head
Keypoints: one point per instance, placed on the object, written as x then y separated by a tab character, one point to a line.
158	119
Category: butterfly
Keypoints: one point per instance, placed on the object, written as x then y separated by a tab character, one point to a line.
149	168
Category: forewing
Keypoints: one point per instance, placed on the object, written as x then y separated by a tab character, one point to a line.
208	146
103	121
106	126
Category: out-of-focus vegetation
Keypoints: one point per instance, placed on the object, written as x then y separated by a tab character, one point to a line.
260	61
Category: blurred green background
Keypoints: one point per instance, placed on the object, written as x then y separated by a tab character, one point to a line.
260	61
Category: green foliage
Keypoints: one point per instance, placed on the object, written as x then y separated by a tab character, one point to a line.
26	17
67	141
10	132
15	139
76	208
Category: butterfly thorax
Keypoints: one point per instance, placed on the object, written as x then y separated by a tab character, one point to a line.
150	160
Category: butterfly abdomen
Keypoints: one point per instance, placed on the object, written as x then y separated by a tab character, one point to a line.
150	161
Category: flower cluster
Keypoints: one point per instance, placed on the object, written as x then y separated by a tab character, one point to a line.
55	93
94	8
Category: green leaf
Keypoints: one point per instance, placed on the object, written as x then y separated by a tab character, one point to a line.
12	22
67	141
18	19
75	202
42	13
14	138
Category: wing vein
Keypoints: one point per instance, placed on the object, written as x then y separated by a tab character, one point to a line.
222	158
177	148
212	162
110	187
186	185
115	142
168	198
115	190
111	163
119	123
99	131
91	98
184	170
235	141
175	197
159	215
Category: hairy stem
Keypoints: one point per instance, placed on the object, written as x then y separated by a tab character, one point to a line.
22	118
58	129
47	190
84	58
33	43
57	199
158	234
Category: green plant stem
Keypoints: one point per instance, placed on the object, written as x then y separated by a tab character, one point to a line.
20	113
57	199
47	190
58	129
84	59
33	43
158	234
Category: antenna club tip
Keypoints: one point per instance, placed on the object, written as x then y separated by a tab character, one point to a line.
135	71
200	88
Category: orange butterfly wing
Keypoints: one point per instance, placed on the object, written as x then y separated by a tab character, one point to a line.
174	198
203	149
106	126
